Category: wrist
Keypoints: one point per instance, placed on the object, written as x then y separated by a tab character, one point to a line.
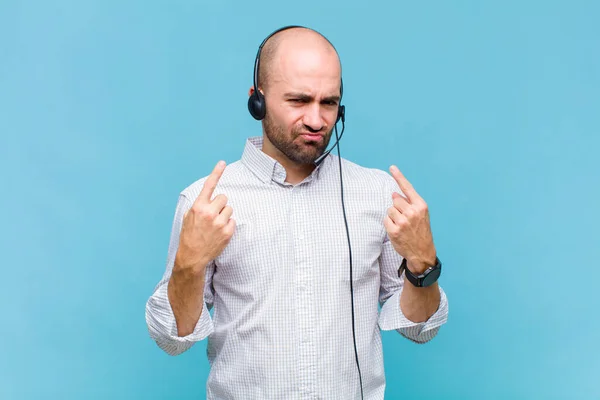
418	266
195	268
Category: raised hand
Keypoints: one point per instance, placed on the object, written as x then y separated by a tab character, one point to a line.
207	226
408	227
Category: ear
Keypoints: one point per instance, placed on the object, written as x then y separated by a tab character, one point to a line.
251	91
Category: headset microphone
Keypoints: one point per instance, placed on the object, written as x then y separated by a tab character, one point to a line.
343	118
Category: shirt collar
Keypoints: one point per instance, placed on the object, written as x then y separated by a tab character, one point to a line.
265	167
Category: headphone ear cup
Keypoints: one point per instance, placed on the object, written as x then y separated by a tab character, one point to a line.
256	105
341	114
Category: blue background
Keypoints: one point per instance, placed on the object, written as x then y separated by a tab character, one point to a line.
491	109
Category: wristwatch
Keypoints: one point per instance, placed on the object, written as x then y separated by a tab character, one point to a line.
427	278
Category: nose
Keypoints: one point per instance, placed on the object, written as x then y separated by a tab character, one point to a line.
312	118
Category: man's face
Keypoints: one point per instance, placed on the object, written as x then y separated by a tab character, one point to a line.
302	99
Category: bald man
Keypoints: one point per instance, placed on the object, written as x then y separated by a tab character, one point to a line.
262	243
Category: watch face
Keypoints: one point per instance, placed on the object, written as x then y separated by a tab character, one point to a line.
431	277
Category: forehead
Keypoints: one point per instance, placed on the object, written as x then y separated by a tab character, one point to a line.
310	69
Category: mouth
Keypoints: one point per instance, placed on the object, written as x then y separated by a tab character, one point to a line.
312	137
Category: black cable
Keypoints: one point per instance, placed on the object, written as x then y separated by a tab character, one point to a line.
350	255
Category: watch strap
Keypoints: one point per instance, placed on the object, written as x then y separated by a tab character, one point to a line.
420	280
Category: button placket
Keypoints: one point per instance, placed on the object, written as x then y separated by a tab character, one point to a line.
304	292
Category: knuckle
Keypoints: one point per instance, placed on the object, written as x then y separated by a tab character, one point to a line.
220	226
221	198
196	209
228	229
389	229
207	213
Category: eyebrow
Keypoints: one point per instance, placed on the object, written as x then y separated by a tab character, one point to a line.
306	97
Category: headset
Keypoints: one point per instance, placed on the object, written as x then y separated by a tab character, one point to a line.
258	110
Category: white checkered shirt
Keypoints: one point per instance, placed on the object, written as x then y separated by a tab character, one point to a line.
281	326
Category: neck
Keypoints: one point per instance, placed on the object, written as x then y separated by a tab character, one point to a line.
294	172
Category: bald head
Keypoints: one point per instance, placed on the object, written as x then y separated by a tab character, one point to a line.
292	46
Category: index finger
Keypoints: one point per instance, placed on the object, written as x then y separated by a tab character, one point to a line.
211	182
404	184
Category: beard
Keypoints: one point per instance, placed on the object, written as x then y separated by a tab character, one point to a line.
297	150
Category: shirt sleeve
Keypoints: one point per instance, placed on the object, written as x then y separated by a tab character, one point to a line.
391	316
159	315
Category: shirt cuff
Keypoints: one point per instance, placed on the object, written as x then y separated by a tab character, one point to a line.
392	318
163	326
